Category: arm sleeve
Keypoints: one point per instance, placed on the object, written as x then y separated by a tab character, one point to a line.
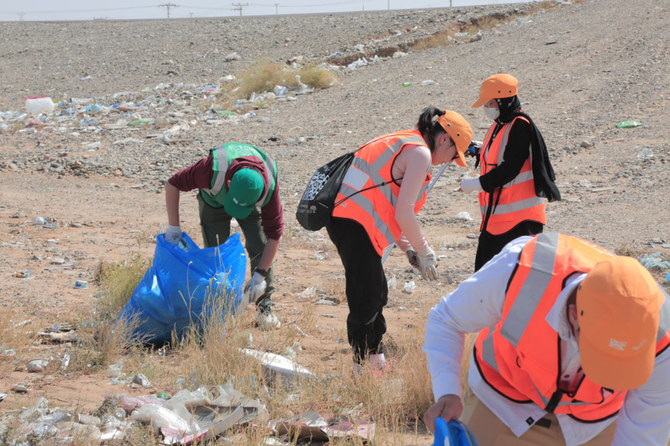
417	162
516	153
644	418
272	216
476	304
196	176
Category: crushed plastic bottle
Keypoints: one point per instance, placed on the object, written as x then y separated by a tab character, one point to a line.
628	124
406	84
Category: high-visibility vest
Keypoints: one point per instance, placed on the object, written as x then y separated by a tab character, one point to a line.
222	157
520	357
369	194
515	201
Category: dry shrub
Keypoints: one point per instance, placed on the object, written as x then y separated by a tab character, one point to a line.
117	282
265	75
317	77
437	40
544	5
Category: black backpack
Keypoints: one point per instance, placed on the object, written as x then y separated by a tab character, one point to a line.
318	200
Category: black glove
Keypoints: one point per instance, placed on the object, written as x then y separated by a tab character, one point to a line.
474	148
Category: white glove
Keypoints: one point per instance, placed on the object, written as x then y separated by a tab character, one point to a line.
427	264
255	288
173	234
471	185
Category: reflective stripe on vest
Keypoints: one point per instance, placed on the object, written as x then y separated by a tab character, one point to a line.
368	186
222	162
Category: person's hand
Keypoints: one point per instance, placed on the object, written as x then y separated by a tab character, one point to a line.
412	258
471	185
255	288
173	234
474	148
427	264
449	407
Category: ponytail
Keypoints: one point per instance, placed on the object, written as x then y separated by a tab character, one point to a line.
428	125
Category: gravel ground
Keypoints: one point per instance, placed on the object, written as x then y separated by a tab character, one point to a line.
582	68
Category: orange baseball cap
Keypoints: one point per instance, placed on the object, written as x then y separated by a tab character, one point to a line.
495	87
459	131
618	310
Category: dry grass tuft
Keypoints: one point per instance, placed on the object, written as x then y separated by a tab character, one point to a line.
265	75
317	77
117	282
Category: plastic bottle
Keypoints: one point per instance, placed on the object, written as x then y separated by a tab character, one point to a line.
406	84
628	124
667	277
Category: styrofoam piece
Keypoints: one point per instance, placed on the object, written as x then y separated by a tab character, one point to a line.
284	367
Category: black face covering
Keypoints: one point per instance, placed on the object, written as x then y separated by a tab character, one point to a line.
508	108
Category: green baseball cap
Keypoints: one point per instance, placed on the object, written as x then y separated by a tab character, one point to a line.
246	188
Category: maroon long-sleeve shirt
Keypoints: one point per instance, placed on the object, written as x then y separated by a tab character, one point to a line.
199	176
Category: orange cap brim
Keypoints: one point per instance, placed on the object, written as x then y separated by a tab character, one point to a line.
617	373
481	101
461	158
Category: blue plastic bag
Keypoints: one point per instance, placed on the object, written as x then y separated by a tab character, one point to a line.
184	286
453	433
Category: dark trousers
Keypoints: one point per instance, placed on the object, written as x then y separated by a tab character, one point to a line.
215	225
490	245
366	287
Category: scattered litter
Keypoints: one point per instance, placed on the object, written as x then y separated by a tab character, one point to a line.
277	366
654	261
308	293
427	82
312	427
406	84
409	287
392	283
465	216
628	124
22	274
141	380
38	105
81	284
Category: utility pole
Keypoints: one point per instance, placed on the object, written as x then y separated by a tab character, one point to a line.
276	8
21	14
239	6
388	5
168	6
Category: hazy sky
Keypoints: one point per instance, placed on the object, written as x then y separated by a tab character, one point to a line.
142	9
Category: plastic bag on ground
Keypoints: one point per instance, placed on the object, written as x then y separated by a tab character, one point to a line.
186	286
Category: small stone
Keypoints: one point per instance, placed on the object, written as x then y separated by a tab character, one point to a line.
141	380
37	365
20	388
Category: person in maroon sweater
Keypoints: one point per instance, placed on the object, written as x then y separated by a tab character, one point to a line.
236	181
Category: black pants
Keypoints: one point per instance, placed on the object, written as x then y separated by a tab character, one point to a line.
366	286
490	245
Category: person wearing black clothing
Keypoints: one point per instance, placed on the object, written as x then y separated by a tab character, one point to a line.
516	175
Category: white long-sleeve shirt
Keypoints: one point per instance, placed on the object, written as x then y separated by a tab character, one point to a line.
478	303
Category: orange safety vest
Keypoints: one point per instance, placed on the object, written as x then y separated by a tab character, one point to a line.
369	193
520	357
515	201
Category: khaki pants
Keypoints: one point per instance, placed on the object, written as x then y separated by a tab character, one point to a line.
215	225
490	431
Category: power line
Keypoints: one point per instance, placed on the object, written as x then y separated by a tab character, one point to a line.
168	6
239	6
